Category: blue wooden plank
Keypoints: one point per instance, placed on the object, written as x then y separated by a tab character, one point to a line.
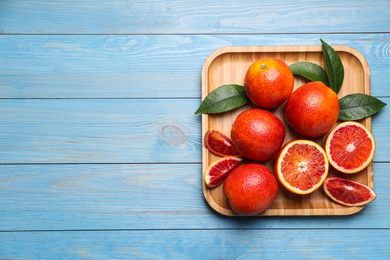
145	66
380	128
198	244
99	130
145	196
202	17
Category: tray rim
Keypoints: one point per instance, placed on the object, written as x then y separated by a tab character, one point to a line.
280	49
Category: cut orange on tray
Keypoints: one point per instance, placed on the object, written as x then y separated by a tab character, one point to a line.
219	144
301	166
350	147
347	192
217	171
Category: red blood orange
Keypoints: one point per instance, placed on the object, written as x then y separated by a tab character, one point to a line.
250	189
312	109
217	171
350	147
219	144
347	192
257	134
268	82
301	166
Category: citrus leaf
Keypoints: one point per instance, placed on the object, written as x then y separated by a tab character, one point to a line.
358	106
222	99
310	71
334	67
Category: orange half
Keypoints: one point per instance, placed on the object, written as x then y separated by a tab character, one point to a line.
301	166
350	147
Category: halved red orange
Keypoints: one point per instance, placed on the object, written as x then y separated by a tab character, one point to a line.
217	171
219	144
350	147
348	192
301	166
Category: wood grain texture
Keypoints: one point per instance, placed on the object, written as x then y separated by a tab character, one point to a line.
99	131
196	244
145	197
201	17
146	66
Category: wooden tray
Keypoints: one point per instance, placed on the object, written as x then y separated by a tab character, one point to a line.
228	65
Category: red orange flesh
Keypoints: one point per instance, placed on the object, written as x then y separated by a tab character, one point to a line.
301	166
217	171
347	192
350	147
219	144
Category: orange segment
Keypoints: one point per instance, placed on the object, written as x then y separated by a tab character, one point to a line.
350	147
219	144
347	192
217	171
301	166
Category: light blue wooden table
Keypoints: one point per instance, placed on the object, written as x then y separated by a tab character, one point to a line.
100	150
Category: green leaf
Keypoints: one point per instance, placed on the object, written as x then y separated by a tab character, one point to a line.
358	106
222	99
334	67
310	71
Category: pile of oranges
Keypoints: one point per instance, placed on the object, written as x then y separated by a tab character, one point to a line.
301	166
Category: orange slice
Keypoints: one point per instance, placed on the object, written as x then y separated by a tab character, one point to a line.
350	147
301	166
217	171
219	144
347	192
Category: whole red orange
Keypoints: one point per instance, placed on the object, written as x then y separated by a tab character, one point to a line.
312	109
268	82
257	134
250	189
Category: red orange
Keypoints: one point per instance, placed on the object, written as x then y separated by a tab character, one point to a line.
257	134
250	189
268	82
312	109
